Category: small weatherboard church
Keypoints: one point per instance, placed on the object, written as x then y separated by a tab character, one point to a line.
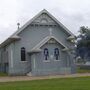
40	47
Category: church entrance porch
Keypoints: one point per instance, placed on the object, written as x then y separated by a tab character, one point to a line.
50	60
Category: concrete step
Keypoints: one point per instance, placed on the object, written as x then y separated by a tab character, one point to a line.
29	74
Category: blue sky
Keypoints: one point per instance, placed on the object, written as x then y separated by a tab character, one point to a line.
72	13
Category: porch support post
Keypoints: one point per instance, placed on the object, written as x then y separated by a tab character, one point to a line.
34	62
11	57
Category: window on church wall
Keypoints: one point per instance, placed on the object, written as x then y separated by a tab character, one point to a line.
56	53
46	54
23	54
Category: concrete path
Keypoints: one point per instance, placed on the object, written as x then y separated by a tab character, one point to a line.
25	78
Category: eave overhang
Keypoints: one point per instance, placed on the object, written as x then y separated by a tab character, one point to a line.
9	40
65	49
71	38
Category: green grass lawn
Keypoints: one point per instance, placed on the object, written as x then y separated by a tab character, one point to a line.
83	71
79	70
81	83
3	74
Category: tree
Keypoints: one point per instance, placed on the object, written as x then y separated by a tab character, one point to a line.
83	44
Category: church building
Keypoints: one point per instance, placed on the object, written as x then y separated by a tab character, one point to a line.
40	47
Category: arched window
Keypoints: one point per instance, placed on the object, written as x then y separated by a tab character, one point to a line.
23	54
46	53
56	53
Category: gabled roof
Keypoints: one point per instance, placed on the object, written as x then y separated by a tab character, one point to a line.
43	11
9	40
44	41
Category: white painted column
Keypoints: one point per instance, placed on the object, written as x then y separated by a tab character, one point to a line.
11	58
34	62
